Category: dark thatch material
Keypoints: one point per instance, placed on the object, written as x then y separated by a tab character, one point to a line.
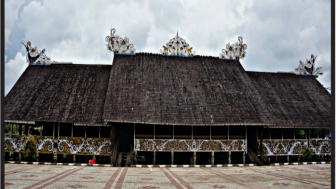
59	93
293	100
155	89
178	90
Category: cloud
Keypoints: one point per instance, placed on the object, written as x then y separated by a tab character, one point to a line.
278	33
13	70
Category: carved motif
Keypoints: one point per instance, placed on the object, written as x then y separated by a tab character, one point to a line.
237	50
84	146
320	146
177	46
307	67
189	145
117	44
283	147
34	55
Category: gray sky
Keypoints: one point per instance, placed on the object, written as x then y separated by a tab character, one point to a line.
278	33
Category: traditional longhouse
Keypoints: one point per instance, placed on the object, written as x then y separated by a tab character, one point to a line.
169	108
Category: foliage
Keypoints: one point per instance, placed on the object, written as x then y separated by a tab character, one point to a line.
317	72
64	156
328	88
307	154
30	149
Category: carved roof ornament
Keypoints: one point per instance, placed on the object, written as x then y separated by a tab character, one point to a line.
308	66
177	46
237	50
35	56
119	45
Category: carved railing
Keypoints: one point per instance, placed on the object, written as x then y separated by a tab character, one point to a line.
189	145
66	145
320	146
295	147
84	146
283	147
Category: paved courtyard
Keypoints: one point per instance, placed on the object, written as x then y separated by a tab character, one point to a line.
52	176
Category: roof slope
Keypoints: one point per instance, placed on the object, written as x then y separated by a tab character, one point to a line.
60	93
293	100
179	90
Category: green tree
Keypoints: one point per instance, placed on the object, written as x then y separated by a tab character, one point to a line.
30	149
307	154
317	72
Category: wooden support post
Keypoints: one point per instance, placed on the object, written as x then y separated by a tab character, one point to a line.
154	131
269	159
212	157
54	130
37	156
229	156
276	159
210	132
154	157
12	129
41	129
261	147
20	129
172	158
72	130
135	160
287	159
19	156
192	132
99	131
85	131
244	157
228	133
269	130
58	129
194	158
173	132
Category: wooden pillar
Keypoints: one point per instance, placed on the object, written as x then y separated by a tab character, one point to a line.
212	158
276	159
74	158
261	141
244	157
194	158
135	160
54	130
269	159
59	130
72	130
41	129
12	129
99	131
210	132
172	158
20	129
154	131
228	133
85	131
229	156
287	159
192	132
154	157
19	156
173	132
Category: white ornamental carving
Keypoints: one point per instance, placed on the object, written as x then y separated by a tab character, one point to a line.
308	67
119	45
237	50
177	46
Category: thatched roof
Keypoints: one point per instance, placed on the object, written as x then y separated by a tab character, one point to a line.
156	89
293	100
59	93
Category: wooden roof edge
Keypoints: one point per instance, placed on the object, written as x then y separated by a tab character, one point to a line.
20	121
90	124
190	124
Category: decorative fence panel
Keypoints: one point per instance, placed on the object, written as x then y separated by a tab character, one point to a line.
320	146
84	146
14	143
283	147
189	145
67	145
295	147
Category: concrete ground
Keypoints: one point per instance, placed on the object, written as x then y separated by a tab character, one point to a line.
52	176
